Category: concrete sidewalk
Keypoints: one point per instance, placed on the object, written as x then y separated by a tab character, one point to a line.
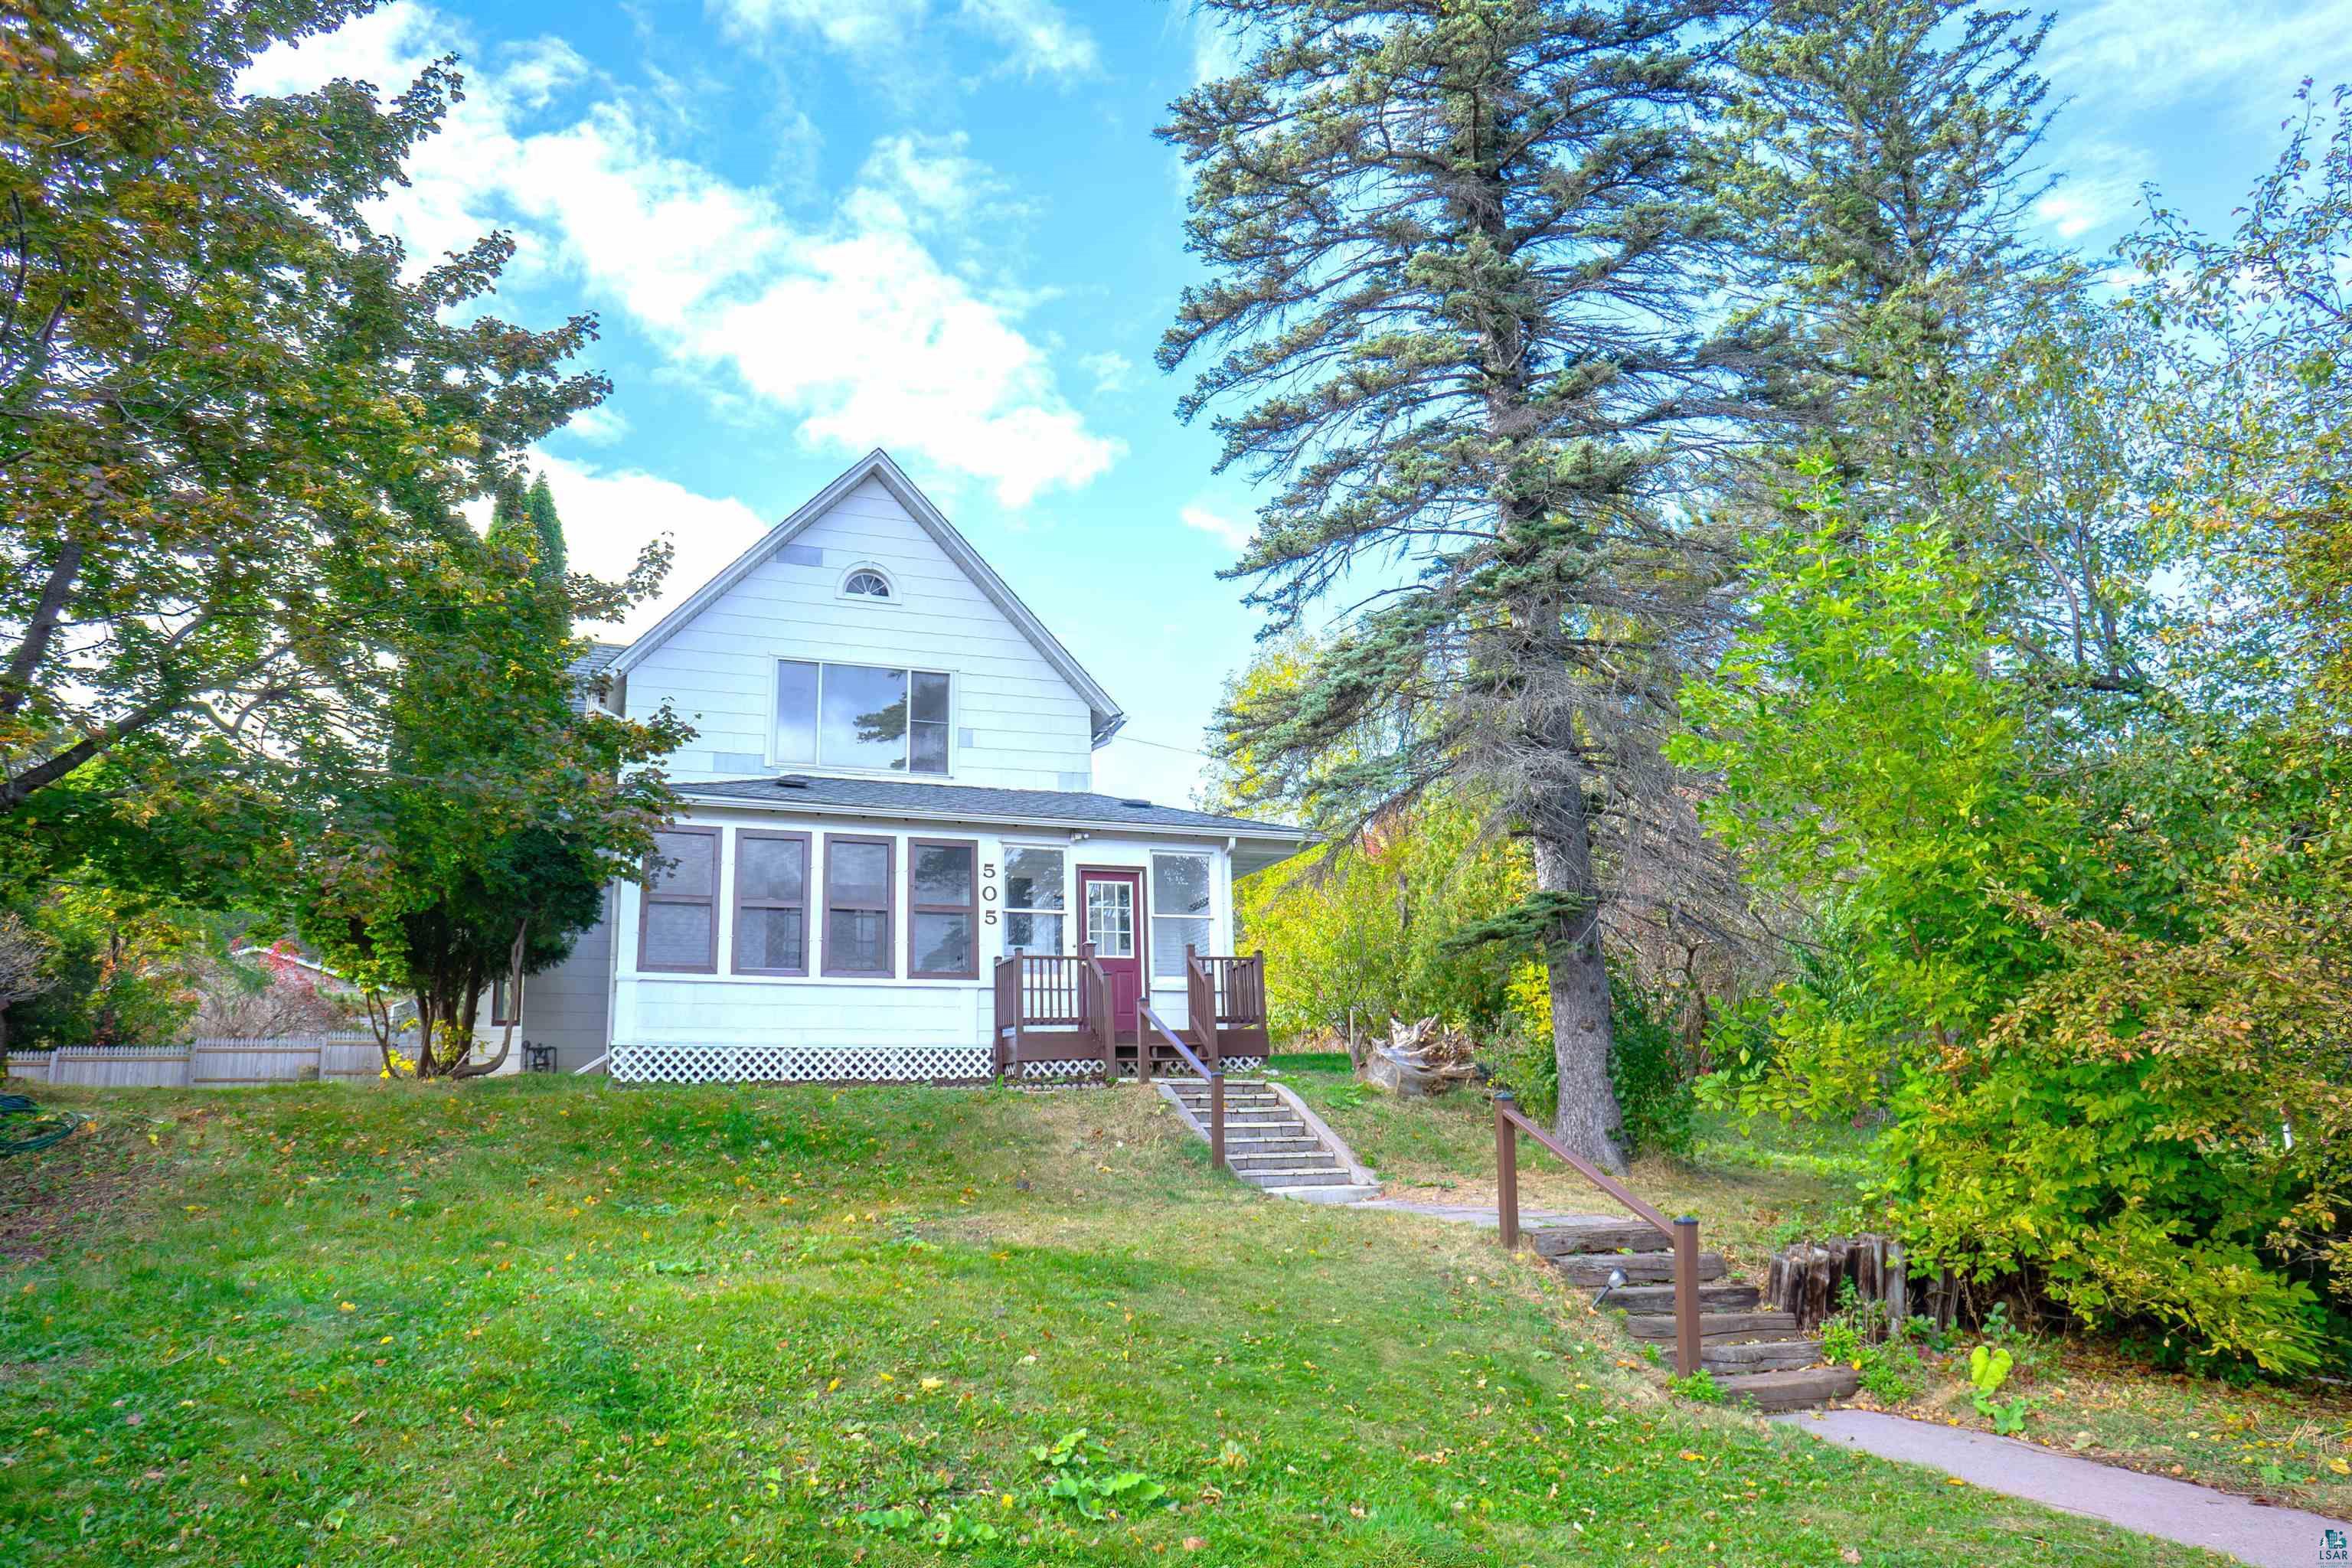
2152	1505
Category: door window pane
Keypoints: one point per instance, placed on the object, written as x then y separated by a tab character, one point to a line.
857	873
1110	918
863	722
942	944
1033	933
771	939
858	939
677	936
772	869
796	712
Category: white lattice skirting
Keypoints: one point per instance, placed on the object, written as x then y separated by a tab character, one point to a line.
802	1064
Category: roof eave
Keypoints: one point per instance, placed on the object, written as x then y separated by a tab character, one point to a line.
1266	830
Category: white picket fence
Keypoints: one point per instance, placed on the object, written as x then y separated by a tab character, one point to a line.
216	1063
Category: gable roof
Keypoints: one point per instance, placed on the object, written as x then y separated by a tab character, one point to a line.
877	465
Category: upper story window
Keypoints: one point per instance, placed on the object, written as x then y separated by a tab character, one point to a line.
867	582
862	716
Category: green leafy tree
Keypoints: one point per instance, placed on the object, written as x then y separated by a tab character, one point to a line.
483	848
1460	262
237	421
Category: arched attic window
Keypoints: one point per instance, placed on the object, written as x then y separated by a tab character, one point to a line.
867	582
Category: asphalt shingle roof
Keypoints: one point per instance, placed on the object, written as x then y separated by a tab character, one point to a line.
892	796
584	669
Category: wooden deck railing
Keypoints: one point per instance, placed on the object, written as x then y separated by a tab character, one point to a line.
1053	996
1238	985
1149	1023
1682	1234
1200	1007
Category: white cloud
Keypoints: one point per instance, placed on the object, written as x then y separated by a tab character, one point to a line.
536	71
609	516
1110	370
2251	51
2101	185
851	326
854	26
1035	36
599	426
933	180
1235	535
1038	34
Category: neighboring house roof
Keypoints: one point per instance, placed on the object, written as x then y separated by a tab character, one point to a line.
584	669
877	465
970	803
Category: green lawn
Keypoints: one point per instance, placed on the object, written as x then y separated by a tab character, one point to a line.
538	1321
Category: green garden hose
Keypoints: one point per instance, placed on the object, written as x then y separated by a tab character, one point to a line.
60	1126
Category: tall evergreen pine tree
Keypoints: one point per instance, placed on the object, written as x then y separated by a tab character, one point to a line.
1460	261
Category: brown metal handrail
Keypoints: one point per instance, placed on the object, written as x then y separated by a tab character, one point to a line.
1146	1020
1682	1232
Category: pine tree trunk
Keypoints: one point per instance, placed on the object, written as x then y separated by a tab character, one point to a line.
1587	1120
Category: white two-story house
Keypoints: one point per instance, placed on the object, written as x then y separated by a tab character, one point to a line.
890	794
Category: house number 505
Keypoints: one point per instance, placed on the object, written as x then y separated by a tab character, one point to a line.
987	894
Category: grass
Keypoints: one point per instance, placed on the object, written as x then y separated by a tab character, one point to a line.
534	1321
1756	1190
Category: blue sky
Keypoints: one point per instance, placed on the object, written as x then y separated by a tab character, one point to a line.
943	227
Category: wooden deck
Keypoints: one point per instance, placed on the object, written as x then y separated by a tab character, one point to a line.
1053	1018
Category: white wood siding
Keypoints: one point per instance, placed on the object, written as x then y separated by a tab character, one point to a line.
1027	729
568	1005
727	1009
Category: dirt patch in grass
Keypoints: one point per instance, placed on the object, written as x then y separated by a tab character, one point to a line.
93	1180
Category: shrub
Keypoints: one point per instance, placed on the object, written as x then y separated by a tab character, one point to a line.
1649	1068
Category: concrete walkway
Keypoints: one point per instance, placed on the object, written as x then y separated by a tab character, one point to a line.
2152	1505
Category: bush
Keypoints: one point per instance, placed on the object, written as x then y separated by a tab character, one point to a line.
1648	1068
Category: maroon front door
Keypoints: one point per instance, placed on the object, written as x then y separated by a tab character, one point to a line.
1112	902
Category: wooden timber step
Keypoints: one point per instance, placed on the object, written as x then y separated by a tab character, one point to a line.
1760	1356
1724	1296
1715	1328
1596	1236
1797	1390
1639	1268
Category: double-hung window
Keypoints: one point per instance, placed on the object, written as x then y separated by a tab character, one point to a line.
1180	911
677	925
862	716
858	927
1035	898
770	902
943	909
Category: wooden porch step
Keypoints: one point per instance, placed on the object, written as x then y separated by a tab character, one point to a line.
1797	1390
1640	1267
1714	1328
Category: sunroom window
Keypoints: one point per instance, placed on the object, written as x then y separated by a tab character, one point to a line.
1035	899
1180	911
862	716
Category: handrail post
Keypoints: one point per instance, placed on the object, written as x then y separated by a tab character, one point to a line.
1216	1120
1507	1171
1687	1338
